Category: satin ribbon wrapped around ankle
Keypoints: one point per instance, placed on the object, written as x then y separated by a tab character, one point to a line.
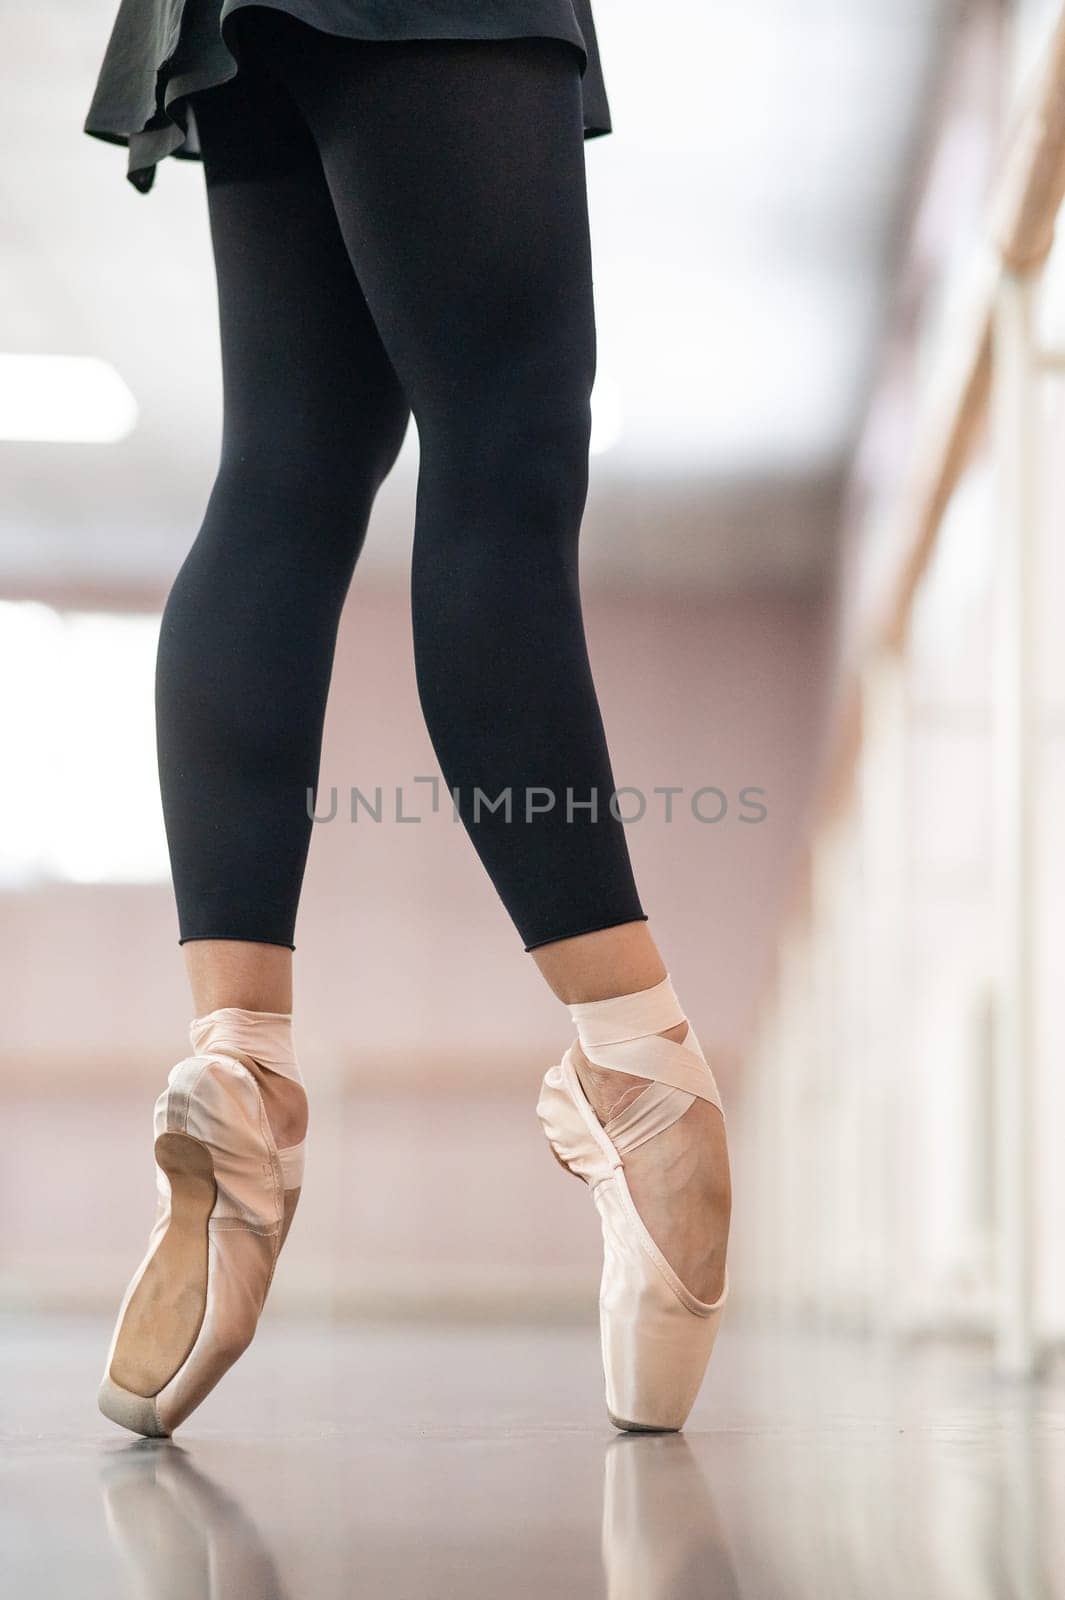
622	1035
265	1036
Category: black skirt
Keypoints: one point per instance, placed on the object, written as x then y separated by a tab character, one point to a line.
162	51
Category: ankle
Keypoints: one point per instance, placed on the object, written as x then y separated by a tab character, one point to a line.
262	1042
284	1100
610	1093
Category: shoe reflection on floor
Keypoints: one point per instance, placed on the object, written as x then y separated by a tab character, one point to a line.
662	1539
179	1534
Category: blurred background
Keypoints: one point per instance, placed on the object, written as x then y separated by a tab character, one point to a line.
819	561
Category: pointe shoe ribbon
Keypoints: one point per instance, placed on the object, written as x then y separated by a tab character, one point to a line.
266	1036
224	1204
657	1337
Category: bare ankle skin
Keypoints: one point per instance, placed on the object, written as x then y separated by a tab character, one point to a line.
598	966
230	972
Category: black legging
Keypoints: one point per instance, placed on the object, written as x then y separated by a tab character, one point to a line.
396	227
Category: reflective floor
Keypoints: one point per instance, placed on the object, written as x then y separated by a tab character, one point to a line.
436	1463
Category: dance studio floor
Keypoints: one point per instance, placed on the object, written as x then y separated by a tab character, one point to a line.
429	1463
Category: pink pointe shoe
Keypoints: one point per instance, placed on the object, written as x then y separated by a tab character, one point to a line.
656	1336
226	1198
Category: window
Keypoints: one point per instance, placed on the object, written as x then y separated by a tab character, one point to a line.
79	796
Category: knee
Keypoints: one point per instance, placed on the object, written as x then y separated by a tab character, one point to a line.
500	504
510	452
333	459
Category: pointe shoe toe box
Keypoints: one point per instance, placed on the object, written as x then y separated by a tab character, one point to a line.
657	1337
